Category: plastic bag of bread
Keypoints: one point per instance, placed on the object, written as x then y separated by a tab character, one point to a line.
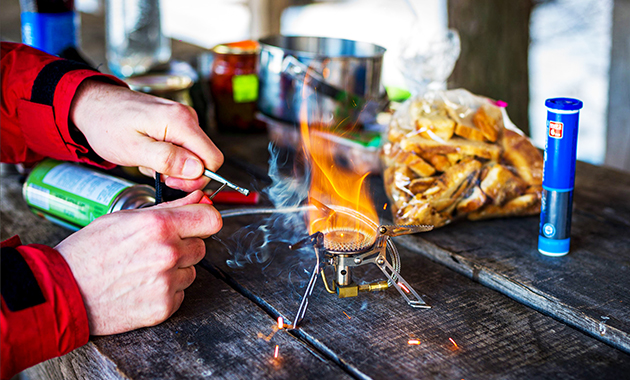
452	155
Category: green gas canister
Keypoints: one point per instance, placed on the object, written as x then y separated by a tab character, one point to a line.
73	195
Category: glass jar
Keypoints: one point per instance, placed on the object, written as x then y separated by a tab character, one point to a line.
135	43
166	85
234	86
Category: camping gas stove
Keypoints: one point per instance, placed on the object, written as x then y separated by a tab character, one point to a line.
345	248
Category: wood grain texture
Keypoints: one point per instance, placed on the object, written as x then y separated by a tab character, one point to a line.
496	336
589	288
217	333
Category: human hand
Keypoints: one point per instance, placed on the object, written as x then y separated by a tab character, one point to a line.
130	128
132	266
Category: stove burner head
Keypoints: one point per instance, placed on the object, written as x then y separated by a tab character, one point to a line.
347	240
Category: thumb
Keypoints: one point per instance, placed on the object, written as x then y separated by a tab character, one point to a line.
172	160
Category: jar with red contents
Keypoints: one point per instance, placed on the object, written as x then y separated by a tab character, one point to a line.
234	86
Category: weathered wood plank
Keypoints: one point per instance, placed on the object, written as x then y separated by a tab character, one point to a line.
588	289
216	333
496	336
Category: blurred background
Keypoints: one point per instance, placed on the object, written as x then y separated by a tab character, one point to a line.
519	51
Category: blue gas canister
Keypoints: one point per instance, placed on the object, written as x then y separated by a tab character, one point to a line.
558	175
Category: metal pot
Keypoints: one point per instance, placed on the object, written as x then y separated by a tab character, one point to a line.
343	79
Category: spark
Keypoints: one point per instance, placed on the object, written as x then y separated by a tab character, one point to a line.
413	342
346	315
454	344
385	206
280	323
275	354
403	287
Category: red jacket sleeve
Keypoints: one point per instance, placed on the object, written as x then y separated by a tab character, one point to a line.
37	90
43	315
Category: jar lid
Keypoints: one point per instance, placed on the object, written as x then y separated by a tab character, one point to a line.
159	83
240	47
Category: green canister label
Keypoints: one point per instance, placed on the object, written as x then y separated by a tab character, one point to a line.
71	192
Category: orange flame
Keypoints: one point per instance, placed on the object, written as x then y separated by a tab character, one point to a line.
332	184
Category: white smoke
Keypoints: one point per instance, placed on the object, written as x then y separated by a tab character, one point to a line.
258	242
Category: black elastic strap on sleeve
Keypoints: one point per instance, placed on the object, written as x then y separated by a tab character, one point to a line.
45	84
20	289
43	92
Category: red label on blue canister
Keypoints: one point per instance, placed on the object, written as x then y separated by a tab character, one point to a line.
555	129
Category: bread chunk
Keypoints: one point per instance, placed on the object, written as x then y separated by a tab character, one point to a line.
469	132
489	120
472	202
476	148
523	157
439	161
527	204
456	145
500	184
432	125
417	164
422	213
450	186
420	185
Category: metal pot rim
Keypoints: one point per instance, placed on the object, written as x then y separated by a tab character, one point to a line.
284	43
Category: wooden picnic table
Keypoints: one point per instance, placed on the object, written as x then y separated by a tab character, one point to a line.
499	308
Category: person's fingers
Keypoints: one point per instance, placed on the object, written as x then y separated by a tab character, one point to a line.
184	131
192	251
169	159
186	184
183	278
147	171
178	298
193	220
